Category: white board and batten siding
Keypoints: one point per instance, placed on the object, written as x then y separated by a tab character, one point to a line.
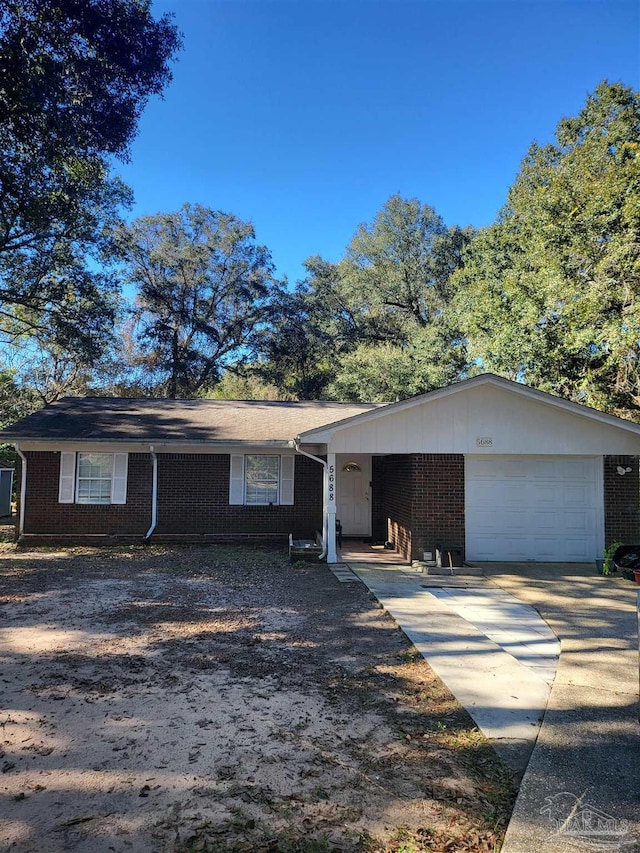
456	423
533	508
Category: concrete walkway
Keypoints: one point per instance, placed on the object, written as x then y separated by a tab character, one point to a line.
485	639
494	653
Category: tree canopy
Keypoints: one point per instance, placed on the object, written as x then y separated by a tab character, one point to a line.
377	324
550	293
75	77
202	289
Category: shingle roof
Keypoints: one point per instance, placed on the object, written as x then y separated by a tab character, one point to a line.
145	419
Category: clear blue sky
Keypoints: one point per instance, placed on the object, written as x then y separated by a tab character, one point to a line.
304	116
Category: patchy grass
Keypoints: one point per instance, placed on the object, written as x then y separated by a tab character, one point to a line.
223	699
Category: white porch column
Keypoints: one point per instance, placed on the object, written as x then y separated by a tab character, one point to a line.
332	555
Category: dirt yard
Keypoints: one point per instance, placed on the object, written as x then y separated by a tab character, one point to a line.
218	699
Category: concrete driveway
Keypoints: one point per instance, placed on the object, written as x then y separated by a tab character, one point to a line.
577	734
581	789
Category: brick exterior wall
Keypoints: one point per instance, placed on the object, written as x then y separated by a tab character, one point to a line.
393	493
378	515
193	498
438	502
193	502
621	500
421	499
44	515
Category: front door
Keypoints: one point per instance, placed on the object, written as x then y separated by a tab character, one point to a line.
353	487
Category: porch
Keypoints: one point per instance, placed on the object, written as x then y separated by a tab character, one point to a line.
413	502
359	551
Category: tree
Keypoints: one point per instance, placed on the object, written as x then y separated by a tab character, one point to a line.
203	286
396	283
384	371
397	272
551	292
243	386
75	77
376	325
305	333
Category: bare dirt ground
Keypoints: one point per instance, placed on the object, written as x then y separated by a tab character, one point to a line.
219	699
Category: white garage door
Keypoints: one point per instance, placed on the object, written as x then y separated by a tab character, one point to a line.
545	508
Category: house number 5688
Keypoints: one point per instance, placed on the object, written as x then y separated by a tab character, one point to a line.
332	480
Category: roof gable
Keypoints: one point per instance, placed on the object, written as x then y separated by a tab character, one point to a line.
483	415
543	398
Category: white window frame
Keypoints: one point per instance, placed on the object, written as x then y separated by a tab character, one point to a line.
69	484
267	482
238	479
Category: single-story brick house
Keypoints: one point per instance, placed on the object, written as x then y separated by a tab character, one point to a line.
491	467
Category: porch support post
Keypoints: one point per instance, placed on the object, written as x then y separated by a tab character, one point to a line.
330	474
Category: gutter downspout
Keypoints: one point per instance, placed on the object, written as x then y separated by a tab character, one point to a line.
154	493
23	488
325	531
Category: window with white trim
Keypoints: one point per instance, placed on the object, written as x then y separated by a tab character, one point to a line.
261	479
93	484
93	478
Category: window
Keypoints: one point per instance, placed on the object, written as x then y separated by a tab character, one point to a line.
93	478
261	480
352	466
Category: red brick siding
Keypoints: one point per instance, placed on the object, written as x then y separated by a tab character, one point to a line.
393	487
193	498
438	502
378	515
621	500
421	496
44	515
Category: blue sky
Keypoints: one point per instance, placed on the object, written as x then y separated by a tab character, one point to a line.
304	116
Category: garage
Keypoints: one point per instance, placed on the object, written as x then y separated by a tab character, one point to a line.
538	508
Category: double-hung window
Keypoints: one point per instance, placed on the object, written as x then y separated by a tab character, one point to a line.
93	478
95	473
261	479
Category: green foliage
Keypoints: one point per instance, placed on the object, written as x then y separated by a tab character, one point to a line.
377	325
550	293
397	271
16	401
304	333
243	386
75	77
203	284
608	567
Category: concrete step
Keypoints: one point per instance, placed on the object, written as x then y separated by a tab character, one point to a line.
446	571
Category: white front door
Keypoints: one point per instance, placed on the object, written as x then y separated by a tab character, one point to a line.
544	508
353	504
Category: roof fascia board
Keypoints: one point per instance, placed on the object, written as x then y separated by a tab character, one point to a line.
105	446
325	434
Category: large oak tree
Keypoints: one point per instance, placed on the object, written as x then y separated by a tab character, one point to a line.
203	287
376	325
75	75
